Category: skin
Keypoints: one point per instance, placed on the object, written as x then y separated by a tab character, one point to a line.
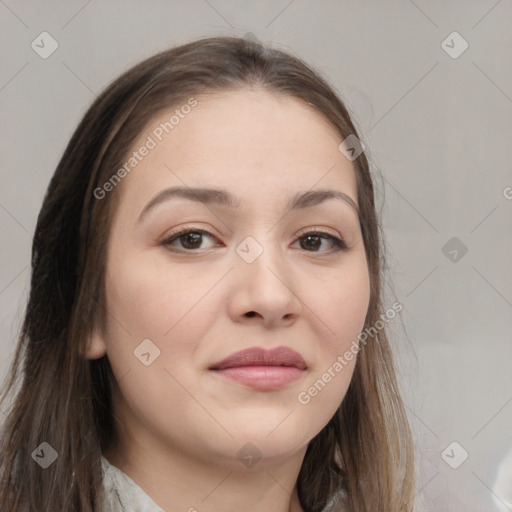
181	425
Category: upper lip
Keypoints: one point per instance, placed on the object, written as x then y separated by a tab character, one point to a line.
280	356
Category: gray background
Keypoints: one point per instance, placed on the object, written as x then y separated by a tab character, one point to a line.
438	128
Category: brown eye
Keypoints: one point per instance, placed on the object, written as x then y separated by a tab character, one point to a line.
191	240
312	242
188	240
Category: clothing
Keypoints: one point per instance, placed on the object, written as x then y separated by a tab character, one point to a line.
122	494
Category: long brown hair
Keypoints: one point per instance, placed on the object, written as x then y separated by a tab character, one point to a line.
62	398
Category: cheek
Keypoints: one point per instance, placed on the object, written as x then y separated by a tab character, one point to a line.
343	303
341	308
151	298
147	301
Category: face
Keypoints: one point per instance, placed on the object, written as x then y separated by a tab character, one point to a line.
193	280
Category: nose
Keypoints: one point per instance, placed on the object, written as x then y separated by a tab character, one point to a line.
264	290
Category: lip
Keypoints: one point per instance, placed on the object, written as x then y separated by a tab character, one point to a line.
262	369
280	356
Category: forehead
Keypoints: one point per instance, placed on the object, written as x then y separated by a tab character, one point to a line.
247	140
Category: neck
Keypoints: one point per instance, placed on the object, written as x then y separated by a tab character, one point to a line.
176	481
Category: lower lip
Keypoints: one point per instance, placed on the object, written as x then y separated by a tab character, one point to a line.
263	378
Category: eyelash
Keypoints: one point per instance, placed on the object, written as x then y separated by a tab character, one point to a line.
338	243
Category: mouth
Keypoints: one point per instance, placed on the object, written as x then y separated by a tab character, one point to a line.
262	369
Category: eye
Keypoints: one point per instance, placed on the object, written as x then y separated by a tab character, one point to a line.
189	239
312	241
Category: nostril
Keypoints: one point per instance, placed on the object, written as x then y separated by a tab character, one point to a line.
250	313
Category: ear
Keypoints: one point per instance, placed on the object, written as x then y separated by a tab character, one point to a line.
96	347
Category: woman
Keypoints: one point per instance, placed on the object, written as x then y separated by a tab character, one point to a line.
205	327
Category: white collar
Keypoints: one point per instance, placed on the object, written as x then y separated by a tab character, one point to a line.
122	494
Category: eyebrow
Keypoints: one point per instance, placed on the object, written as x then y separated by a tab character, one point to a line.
224	198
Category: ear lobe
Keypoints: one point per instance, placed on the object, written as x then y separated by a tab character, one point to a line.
96	347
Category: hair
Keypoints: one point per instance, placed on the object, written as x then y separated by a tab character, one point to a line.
62	398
